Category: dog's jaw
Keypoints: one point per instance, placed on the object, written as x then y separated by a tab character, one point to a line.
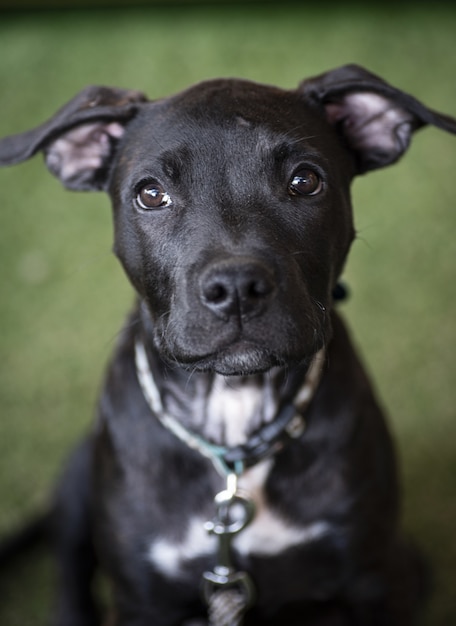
239	353
241	358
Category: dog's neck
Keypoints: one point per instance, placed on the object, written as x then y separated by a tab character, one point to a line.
224	410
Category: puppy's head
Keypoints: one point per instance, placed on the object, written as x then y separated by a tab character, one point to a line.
232	217
231	202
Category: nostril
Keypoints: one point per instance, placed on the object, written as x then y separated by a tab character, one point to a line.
215	292
258	288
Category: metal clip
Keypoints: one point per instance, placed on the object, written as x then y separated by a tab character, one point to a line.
234	511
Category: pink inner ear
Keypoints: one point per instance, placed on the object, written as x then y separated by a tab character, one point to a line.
371	121
82	150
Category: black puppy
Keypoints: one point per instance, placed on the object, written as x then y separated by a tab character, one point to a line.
234	376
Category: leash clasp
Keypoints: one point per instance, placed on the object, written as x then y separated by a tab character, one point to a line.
234	511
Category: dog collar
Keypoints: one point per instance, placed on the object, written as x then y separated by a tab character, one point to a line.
269	439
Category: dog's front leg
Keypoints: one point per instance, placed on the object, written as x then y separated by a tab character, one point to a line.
72	542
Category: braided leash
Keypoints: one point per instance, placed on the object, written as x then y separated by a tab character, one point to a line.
226	608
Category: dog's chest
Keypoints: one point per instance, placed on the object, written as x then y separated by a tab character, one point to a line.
268	534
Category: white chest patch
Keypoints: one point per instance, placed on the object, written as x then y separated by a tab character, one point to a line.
268	533
235	409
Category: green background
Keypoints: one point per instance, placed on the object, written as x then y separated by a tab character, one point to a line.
63	296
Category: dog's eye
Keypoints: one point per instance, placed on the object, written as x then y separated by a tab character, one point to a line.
153	196
305	182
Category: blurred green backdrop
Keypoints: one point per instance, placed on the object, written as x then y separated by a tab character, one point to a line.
63	296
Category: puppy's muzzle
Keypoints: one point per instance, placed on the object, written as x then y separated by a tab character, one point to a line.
240	287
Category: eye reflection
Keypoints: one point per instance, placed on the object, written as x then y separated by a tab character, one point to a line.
305	182
153	196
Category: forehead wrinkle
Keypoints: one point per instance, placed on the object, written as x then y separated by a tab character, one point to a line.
173	162
237	157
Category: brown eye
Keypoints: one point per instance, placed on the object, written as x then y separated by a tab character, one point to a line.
305	183
153	196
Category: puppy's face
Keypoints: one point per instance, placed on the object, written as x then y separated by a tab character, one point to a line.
232	220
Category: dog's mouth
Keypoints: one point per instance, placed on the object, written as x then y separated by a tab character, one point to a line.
241	358
279	337
243	355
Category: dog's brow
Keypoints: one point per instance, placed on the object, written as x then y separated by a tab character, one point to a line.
293	150
173	161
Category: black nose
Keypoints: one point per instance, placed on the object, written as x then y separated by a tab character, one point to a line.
237	287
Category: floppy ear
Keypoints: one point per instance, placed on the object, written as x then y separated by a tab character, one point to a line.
375	119
79	141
